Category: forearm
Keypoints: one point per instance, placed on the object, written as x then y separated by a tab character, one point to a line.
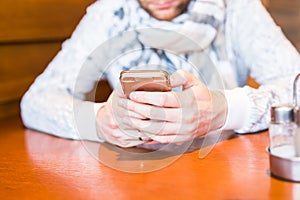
59	114
249	108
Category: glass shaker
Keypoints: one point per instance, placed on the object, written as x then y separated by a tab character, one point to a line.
297	117
281	130
297	132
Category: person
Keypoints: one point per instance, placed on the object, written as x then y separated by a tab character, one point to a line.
239	37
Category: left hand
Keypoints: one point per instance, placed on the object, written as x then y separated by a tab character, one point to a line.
111	122
176	116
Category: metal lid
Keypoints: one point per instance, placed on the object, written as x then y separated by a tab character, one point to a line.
282	114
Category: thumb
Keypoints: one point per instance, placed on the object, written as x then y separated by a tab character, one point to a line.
184	79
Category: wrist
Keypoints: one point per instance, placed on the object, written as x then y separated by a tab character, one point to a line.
98	107
219	110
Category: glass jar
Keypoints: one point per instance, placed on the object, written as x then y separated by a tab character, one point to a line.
282	130
297	132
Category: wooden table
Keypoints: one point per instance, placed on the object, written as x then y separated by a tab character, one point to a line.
34	165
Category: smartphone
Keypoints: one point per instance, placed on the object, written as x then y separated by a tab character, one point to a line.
145	80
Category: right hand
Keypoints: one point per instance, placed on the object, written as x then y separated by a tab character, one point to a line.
112	125
178	116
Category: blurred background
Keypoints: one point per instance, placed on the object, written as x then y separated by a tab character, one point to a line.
32	32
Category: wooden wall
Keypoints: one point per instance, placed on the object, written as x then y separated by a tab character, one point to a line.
31	32
286	14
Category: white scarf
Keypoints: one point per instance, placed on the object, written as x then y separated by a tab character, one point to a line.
168	45
199	23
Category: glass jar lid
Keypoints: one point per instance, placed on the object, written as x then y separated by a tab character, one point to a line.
282	114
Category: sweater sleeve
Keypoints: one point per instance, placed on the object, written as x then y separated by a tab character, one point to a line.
269	57
56	103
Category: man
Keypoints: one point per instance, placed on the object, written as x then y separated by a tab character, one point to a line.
238	37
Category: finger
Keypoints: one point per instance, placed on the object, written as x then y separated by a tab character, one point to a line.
124	112
114	98
155	127
163	99
119	91
118	136
184	79
117	110
192	89
146	111
112	119
167	99
171	138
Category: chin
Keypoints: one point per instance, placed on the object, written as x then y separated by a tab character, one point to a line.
165	16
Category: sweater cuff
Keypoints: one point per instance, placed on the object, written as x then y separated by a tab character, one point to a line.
238	109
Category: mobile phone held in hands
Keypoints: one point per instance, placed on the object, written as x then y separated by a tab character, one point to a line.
145	80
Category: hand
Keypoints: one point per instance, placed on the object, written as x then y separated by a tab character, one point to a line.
111	122
177	116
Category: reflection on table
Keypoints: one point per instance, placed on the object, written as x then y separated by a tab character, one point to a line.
36	165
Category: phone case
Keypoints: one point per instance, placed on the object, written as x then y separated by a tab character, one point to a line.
145	80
